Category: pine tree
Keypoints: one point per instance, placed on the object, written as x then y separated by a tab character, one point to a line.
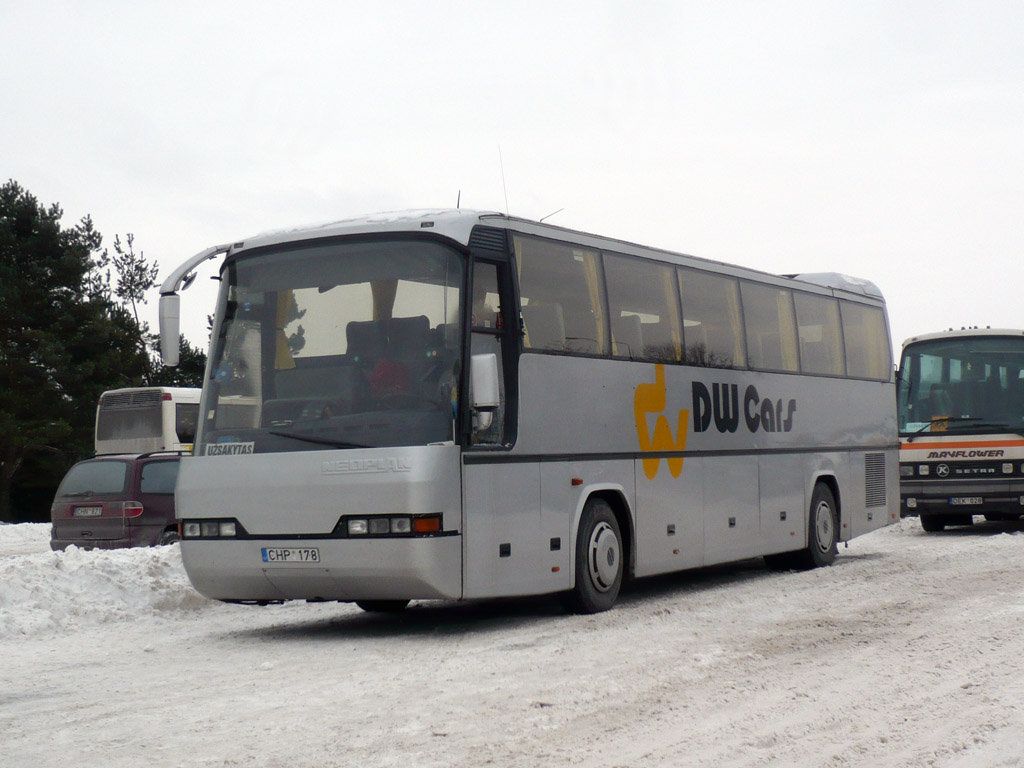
62	338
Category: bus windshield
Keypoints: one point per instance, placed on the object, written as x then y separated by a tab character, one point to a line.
340	345
962	384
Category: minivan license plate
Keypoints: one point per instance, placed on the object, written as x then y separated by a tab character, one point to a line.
291	555
88	511
965	500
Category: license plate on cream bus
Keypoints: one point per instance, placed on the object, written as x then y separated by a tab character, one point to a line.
965	500
291	555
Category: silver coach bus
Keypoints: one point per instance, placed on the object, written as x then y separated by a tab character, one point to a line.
454	404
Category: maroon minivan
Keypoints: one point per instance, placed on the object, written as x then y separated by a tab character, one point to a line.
109	502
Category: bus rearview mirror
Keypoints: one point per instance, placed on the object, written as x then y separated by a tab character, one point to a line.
485	396
170	325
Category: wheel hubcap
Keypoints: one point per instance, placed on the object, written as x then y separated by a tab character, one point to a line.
603	557
823	531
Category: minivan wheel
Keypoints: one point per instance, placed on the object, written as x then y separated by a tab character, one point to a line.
168	537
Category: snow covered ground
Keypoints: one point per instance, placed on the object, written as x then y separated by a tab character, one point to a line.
908	652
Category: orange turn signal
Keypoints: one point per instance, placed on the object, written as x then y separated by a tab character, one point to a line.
431	524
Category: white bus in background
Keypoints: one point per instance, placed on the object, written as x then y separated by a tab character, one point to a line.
961	419
146	419
452	404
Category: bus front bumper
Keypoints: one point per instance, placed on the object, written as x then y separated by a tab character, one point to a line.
341	569
961	498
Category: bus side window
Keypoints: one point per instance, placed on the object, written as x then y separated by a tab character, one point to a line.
562	287
186	417
771	327
821	344
712	324
867	341
643	302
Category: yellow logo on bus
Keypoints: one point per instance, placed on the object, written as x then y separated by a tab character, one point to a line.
650	398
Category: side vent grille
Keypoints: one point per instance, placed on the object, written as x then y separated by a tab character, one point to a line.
489	239
874	479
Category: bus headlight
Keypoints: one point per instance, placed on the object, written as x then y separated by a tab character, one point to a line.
389	525
210	529
906	470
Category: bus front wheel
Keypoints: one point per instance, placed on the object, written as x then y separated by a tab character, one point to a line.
599	559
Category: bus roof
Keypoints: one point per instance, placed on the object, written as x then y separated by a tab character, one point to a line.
170	390
458	224
963	332
181	394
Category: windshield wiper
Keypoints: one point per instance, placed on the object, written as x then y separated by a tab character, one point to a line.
939	420
1000	427
316	439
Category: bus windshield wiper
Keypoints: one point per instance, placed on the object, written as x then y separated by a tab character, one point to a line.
999	427
939	420
316	439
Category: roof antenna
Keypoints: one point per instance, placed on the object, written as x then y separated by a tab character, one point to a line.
551	214
458	200
503	187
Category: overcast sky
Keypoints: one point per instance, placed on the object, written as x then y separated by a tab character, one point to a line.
880	139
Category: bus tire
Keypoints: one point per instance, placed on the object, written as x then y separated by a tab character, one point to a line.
823	528
599	559
382	606
933	523
822	536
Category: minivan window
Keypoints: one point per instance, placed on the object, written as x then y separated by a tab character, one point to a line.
95	477
159	477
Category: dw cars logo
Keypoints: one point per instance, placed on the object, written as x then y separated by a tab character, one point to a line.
720	406
650	398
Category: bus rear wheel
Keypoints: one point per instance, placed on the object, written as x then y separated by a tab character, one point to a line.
822	536
382	606
599	560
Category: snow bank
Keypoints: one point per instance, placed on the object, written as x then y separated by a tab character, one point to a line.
43	591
